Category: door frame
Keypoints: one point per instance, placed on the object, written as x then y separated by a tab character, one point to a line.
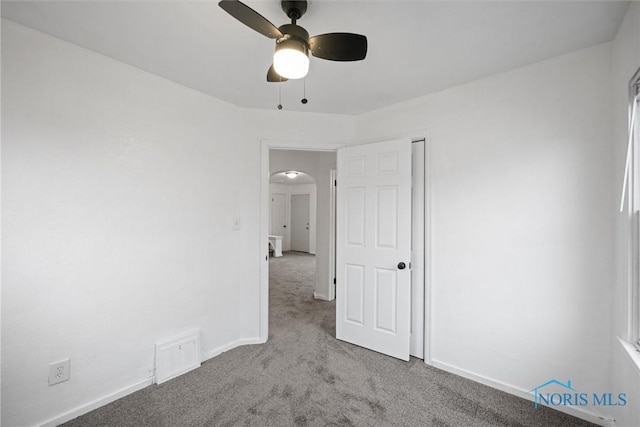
428	257
418	220
333	176
265	146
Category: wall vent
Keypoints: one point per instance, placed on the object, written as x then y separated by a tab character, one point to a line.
177	356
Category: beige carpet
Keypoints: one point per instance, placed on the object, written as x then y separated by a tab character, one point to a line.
304	376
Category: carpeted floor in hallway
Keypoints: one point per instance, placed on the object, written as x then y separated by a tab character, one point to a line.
303	376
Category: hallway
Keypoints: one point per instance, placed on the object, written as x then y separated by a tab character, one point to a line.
291	280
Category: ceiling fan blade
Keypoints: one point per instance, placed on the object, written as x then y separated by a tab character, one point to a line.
250	18
339	46
274	77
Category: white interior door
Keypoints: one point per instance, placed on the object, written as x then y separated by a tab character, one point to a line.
300	215
373	247
279	215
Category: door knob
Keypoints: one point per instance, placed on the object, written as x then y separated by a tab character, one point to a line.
401	266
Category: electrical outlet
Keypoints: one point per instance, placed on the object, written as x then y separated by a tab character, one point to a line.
59	371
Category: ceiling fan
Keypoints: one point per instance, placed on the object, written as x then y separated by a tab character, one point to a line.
293	44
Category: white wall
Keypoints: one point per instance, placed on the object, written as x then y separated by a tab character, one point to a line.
288	191
521	221
625	61
318	165
117	209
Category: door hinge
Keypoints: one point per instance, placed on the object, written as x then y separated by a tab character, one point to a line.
335	182
334	280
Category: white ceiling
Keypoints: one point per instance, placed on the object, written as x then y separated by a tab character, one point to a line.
415	47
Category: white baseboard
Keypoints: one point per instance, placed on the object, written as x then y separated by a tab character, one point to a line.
243	341
81	410
320	296
95	404
517	391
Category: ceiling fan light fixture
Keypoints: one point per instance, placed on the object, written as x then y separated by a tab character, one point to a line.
291	59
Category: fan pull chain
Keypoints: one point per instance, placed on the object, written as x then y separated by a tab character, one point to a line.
304	93
280	95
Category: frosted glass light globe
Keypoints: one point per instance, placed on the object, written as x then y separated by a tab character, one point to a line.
290	61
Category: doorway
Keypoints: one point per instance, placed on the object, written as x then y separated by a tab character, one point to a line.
300	217
279	216
292	214
303	176
268	146
298	192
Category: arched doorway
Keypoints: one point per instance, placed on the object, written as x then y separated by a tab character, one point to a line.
293	210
